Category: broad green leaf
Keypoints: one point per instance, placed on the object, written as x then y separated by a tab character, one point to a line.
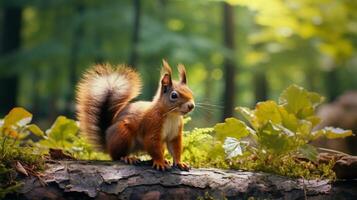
309	152
63	129
288	120
246	113
249	116
232	127
315	98
332	133
233	147
35	130
267	111
306	112
275	139
294	98
304	129
284	130
315	120
299	101
17	116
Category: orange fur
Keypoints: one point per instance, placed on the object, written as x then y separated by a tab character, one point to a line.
139	126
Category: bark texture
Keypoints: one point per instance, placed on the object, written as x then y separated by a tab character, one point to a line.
114	180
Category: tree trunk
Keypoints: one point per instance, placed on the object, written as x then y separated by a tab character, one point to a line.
260	86
73	61
136	30
229	66
113	180
332	84
10	42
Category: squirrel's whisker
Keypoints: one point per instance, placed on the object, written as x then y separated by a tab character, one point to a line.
207	109
170	111
205	112
208	104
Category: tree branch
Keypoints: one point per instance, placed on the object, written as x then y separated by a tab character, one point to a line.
114	180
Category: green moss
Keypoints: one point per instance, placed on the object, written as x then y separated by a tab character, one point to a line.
287	165
13	152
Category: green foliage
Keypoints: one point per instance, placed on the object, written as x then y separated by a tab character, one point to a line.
14	146
201	149
279	136
64	134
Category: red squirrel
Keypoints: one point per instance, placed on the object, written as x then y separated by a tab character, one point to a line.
120	127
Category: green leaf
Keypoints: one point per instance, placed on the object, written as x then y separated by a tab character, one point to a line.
297	100
232	127
315	120
233	147
246	113
63	129
17	116
35	130
332	133
309	152
276	139
267	111
288	120
315	98
305	128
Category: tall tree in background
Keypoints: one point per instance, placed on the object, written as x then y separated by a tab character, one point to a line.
10	42
73	59
229	66
76	40
136	30
332	83
260	85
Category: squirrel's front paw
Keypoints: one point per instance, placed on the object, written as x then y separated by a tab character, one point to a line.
182	166
160	165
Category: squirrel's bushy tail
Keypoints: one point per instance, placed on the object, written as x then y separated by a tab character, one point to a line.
101	93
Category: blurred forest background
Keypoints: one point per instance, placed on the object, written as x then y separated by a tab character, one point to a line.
236	52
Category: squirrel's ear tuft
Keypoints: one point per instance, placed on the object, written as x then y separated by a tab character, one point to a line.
182	72
166	81
166	69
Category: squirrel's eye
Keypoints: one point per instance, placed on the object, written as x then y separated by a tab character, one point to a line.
174	95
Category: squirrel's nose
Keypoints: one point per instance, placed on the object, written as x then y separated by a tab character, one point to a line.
190	106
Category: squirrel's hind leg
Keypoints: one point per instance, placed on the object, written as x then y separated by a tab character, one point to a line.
119	142
132	160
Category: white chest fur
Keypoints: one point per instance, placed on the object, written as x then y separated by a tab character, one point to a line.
171	127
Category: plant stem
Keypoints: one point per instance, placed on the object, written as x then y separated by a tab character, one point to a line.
3	147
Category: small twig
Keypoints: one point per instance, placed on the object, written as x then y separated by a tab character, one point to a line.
332	151
35	174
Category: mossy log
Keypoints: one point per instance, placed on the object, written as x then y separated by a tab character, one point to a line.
115	180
